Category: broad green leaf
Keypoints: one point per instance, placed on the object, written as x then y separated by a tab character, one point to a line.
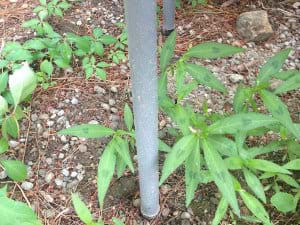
101	73
22	83
234	163
88	131
272	147
128	117
241	95
97	32
162	146
220	212
267	166
11	126
122	148
272	66
107	39
15	212
117	221
83	43
246	121
31	23
3	145
255	207
291	84
3	106
288	180
47	67
212	50
167	51
180	151
36	44
255	185
293	165
285	75
284	202
192	173
15	169
279	110
98	48
120	166
221	175
224	145
105	172
82	210
3	81
293	149
204	76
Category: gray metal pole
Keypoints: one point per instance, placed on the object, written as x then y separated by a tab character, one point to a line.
168	16
142	43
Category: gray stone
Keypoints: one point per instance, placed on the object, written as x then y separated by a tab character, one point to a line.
13	144
74	101
93	122
49	177
74	174
99	90
61	155
105	106
65	172
185	216
3	175
82	148
114	89
236	78
136	202
49	161
254	26
34	117
64	139
114	110
165	212
44	116
59	182
111	101
27	185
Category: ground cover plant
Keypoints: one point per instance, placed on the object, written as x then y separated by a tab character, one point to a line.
212	147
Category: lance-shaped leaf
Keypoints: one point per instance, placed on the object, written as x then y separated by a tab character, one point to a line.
186	90
106	169
120	166
241	95
162	146
192	173
221	175
255	185
180	75
128	117
82	210
255	207
3	106
265	165
293	165
220	212
88	131
212	50
224	145
3	145
246	121
122	148
288	180
279	110
272	66
292	83
3	81
181	150
162	86
22	83
15	169
272	147
285	75
204	76
167	51
14	212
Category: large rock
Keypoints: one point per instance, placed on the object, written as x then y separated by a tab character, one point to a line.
254	26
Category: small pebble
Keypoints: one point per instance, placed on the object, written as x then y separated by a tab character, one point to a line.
114	89
49	177
74	174
165	212
59	182
105	106
13	144
74	101
185	216
65	172
111	101
61	155
64	139
27	185
3	175
82	148
137	202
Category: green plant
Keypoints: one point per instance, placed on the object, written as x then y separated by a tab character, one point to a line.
192	2
210	145
85	215
15	89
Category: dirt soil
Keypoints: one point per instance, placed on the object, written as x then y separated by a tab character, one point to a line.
60	165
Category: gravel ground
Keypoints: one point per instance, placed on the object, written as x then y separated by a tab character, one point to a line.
59	165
